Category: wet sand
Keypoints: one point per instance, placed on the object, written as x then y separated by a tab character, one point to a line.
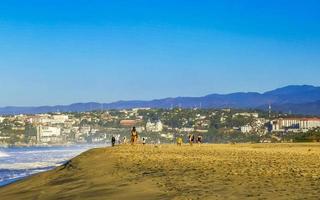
240	171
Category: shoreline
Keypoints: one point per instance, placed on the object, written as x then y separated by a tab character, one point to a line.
11	173
229	171
52	145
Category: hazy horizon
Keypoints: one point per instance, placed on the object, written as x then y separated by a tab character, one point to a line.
58	52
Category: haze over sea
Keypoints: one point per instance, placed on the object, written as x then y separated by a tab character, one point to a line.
19	162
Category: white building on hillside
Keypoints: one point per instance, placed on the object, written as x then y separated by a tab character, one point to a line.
49	119
154	127
246	129
246	114
59	119
282	124
48	134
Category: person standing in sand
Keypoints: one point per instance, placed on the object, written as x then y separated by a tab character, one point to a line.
113	140
134	136
119	139
199	140
191	139
179	141
124	140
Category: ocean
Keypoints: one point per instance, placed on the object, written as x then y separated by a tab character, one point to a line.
19	162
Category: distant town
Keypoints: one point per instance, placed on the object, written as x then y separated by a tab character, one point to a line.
157	125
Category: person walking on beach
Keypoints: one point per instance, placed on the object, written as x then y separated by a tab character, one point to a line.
113	141
191	139
199	139
134	136
144	141
119	139
124	140
179	141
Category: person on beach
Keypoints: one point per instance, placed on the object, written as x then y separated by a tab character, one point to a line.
124	140
144	141
179	141
119	139
113	141
134	136
191	139
199	139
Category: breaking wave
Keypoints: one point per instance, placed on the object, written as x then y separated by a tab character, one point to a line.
2	155
17	163
28	166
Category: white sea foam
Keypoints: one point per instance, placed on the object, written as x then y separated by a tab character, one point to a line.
2	154
22	162
50	151
28	166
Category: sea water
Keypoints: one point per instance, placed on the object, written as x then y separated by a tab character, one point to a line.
19	162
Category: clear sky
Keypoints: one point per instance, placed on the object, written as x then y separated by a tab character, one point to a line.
67	51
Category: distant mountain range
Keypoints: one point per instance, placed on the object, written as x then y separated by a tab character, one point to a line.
296	99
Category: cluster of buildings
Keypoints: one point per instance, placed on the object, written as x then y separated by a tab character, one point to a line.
51	128
295	124
46	134
246	114
256	125
155	127
97	127
60	128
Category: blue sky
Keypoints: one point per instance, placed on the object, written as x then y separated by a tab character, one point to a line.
65	51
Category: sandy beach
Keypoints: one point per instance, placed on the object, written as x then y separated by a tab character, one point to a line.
227	171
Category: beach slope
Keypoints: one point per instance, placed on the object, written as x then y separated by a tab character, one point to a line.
241	171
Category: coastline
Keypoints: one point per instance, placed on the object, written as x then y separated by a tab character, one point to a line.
17	163
224	171
52	145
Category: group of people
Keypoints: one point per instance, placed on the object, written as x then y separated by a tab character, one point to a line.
135	138
191	139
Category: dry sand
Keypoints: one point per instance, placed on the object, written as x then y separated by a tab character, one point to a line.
241	171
